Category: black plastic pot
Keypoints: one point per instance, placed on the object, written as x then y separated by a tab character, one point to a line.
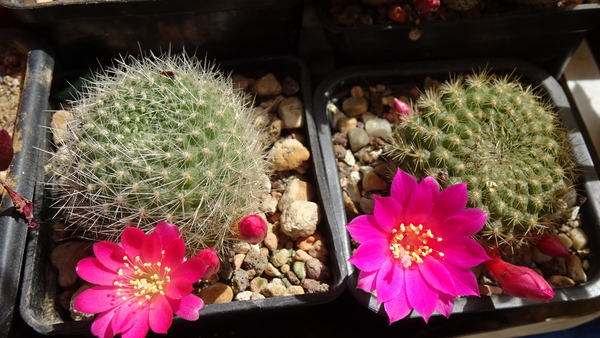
546	37
23	171
337	86
83	32
39	300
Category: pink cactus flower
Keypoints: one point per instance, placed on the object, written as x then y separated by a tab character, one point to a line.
519	281
427	6
551	245
415	250
142	282
252	229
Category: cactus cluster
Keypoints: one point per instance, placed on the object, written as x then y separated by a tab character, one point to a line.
501	138
161	138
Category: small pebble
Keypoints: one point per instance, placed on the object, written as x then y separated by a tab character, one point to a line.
300	219
378	128
347	123
280	257
268	85
354	106
560	281
274	290
238	260
270	241
579	238
257	284
302	256
358	138
291	112
575	269
372	182
299	269
566	240
272	271
295	290
244	295
216	294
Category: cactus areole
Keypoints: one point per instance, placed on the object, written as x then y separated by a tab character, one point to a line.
161	138
499	137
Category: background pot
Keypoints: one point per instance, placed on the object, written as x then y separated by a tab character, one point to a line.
83	33
546	37
337	86
40	290
23	171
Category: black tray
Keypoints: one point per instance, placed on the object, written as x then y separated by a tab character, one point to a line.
25	164
337	86
39	288
83	33
545	37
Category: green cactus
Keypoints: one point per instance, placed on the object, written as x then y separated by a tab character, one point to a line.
161	138
504	140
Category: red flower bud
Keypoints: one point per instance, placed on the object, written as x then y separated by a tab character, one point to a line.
552	246
252	229
427	6
210	258
519	281
6	150
402	108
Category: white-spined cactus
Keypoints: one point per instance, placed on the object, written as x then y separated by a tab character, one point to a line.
161	138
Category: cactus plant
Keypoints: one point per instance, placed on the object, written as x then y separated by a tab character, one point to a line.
161	138
501	138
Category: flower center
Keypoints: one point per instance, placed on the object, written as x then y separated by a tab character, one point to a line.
144	279
409	244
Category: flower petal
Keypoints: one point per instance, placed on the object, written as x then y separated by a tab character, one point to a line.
421	296
464	280
445	304
167	232
371	254
125	316
188	307
192	270
364	228
152	249
132	240
160	315
478	220
436	274
420	204
403	186
91	270
110	255
388	213
178	288
450	201
389	280
174	254
367	280
140	326
455	226
463	252
101	327
97	299
398	307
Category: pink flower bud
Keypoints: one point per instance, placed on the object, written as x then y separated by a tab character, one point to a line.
519	281
402	108
252	229
427	6
552	246
210	258
6	150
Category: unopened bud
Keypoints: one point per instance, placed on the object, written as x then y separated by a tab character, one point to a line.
252	229
402	108
210	258
6	150
552	246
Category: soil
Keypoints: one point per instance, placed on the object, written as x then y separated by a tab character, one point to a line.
352	13
12	72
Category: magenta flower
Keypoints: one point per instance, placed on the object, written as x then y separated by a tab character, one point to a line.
142	282
415	250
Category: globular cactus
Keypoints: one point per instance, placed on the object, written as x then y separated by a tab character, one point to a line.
161	138
501	138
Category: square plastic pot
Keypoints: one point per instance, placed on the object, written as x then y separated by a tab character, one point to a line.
39	300
23	171
337	86
547	37
83	32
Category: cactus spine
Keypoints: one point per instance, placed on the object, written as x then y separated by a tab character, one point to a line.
161	138
502	139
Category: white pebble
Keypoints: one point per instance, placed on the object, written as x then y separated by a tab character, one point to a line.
579	238
566	241
378	128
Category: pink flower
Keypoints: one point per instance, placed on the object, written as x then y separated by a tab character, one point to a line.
551	245
519	281
141	282
427	6
415	250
